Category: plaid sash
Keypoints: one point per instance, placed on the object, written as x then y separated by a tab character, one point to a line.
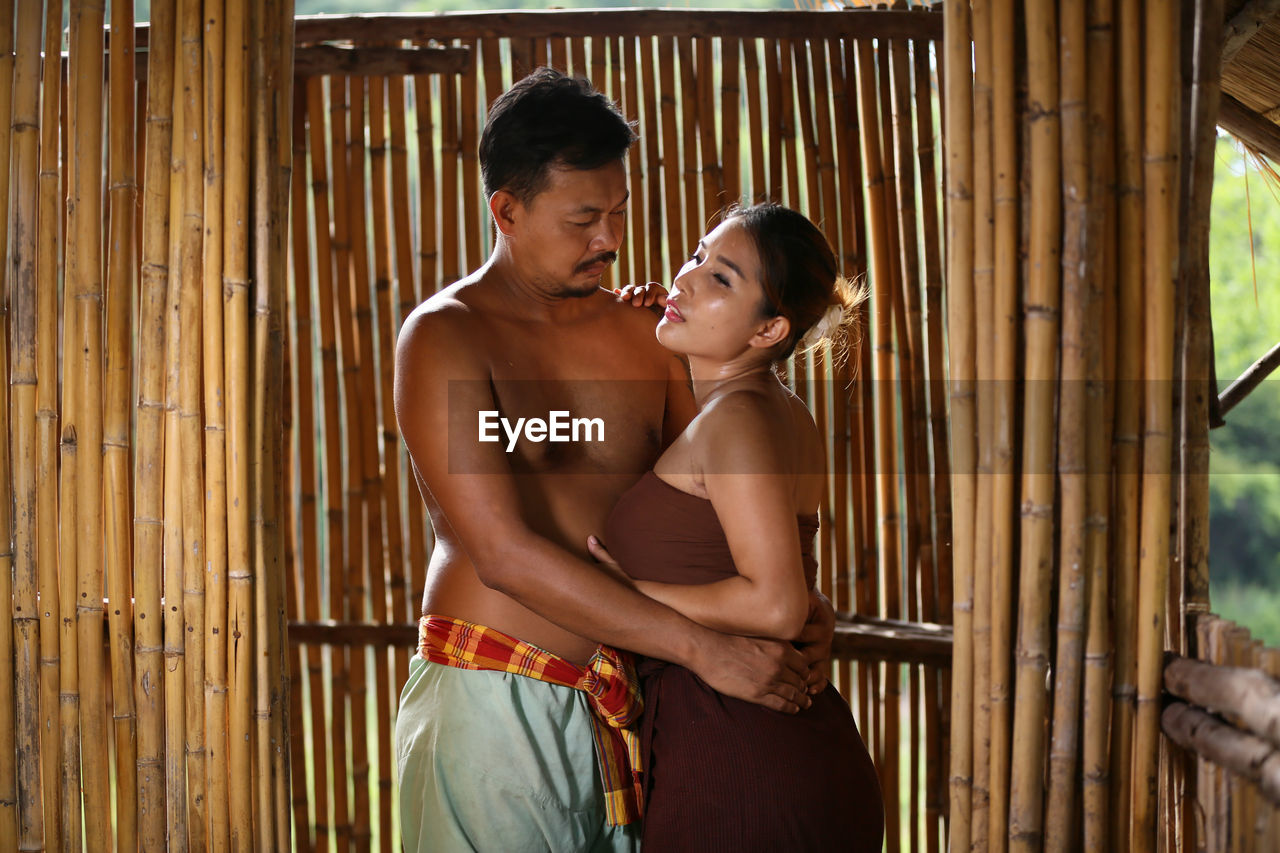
608	679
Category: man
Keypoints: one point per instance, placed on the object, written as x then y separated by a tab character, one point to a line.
499	745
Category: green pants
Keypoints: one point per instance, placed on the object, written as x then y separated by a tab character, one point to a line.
489	761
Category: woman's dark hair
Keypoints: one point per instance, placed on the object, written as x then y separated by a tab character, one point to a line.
548	119
798	273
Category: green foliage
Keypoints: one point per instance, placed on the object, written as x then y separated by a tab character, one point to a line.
1244	484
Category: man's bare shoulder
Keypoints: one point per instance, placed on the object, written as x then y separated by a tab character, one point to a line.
444	322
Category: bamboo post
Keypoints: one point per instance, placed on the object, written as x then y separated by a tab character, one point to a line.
321	733
84	295
983	304
1100	372
657	215
637	245
475	215
1128	438
939	605
150	430
1041	335
386	504
1160	158
48	257
450	156
958	121
175	683
189	416
121	283
672	205
712	173
217	784
730	122
235	281
309	788
685	93
429	257
21	816
1073	436
755	124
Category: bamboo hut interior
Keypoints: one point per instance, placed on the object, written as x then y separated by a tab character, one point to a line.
214	550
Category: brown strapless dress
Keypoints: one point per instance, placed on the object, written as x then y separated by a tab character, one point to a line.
722	774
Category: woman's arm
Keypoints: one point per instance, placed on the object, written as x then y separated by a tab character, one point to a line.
736	445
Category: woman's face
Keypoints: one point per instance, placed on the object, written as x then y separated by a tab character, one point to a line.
713	309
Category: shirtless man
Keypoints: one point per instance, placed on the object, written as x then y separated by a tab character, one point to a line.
490	759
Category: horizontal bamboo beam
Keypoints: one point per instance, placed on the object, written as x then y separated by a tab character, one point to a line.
1247	381
1252	129
320	59
1248	698
1244	754
1245	24
578	23
856	638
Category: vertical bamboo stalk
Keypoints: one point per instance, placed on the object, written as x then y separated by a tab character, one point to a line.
389	322
712	173
958	122
69	680
475	220
306	791
1160	159
84	294
656	175
882	279
21	814
48	256
1074	433
384	553
121	284
189	416
938	607
637	245
1128	440
672	204
984	297
217	824
149	455
320	732
1100	330
175	683
235	281
428	256
1026	806
730	122
755	124
450	156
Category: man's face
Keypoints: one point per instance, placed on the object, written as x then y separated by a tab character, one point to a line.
570	232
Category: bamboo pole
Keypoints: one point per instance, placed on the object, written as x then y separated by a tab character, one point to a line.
673	205
383	569
655	212
21	815
730	121
48	256
69	807
121	283
322	733
450	155
1041	334
1128	439
307	787
637	245
755	124
217	824
175	682
84	294
428	256
711	170
189	420
1100	372
357	348
983	303
150	430
939	603
958	122
1160	156
235	281
1074	433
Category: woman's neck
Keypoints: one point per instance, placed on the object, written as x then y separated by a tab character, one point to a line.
714	379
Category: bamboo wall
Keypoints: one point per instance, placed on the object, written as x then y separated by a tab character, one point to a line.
142	699
832	113
1080	145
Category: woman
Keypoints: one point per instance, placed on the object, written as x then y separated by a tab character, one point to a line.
722	530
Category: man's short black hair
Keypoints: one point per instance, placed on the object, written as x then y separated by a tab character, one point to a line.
548	119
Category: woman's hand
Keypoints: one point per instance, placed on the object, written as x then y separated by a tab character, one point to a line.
642	295
815	641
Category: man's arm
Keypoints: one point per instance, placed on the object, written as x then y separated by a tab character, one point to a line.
442	386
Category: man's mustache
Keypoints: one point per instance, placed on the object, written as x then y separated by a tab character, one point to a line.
607	257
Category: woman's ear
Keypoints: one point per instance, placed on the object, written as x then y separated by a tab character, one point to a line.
505	209
771	333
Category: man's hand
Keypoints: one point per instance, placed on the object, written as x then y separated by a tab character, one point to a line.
815	641
642	295
767	672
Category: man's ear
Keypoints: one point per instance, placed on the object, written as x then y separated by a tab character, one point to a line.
505	209
771	333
